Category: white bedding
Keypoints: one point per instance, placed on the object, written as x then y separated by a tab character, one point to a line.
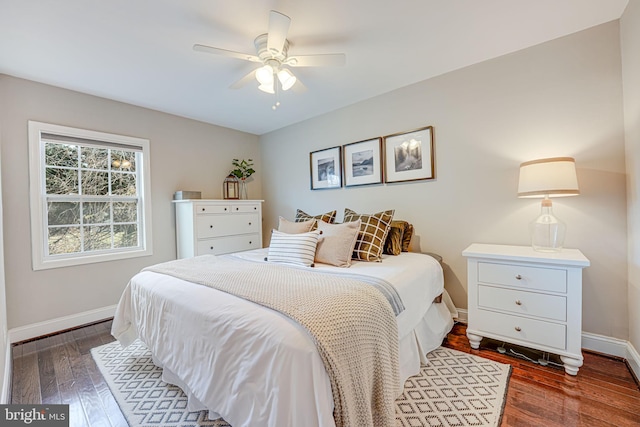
254	366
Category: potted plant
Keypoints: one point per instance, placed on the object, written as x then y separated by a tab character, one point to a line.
243	170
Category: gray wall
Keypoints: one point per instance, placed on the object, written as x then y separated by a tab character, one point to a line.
561	98
630	39
185	155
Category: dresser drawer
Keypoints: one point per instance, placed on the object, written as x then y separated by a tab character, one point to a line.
536	332
522	302
544	279
212	209
224	245
244	208
226	225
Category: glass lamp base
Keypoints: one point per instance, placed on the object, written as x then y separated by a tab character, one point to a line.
547	234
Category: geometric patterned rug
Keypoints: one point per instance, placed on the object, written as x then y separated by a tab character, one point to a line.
455	389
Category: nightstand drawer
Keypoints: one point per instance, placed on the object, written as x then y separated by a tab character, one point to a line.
544	279
521	302
537	332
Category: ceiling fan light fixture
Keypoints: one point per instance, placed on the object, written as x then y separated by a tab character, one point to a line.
268	88
287	79
264	75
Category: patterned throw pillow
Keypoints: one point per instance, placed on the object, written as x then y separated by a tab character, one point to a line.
393	244
336	243
328	217
373	233
297	249
406	237
290	227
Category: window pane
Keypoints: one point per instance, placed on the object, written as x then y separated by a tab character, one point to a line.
96	212
97	237
123	160
61	181
125	236
94	158
63	213
125	212
123	184
61	155
95	183
64	240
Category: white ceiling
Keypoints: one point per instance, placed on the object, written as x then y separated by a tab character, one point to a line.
140	51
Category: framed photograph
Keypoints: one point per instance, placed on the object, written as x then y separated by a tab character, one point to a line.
408	156
325	168
362	162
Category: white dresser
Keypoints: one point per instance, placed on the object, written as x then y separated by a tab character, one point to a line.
528	298
217	226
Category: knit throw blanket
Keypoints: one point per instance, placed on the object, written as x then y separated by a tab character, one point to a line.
350	322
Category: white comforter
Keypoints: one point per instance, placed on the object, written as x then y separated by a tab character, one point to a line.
252	365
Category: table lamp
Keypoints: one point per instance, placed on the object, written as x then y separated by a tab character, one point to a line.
545	178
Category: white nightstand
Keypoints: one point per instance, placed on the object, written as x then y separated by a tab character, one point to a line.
528	298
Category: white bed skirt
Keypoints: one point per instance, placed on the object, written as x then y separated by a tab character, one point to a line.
413	348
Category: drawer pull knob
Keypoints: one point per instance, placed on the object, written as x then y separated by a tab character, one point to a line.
202	209
518	277
237	208
249	223
518	302
225	209
255	209
211	226
518	328
250	242
211	248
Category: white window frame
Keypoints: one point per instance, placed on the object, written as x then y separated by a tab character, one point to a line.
38	207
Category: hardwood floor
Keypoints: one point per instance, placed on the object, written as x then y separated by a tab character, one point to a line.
60	369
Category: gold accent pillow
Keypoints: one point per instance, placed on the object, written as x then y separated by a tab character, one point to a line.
336	243
328	217
393	244
406	237
373	233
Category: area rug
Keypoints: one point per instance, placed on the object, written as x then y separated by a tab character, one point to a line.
454	389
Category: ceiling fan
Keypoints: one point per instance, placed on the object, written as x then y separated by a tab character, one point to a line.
272	51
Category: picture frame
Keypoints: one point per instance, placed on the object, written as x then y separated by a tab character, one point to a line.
325	168
408	156
362	162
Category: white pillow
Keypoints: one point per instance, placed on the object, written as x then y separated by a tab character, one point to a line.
297	249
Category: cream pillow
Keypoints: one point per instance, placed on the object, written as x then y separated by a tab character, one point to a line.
335	246
291	227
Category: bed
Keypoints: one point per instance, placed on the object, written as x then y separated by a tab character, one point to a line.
254	366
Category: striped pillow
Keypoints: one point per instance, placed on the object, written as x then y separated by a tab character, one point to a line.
328	217
373	233
297	249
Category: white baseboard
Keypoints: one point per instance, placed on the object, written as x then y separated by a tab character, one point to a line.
633	358
462	315
5	393
39	329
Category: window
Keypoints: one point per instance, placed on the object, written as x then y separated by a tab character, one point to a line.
90	197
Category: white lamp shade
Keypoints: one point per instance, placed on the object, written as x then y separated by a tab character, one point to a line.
553	177
287	79
268	88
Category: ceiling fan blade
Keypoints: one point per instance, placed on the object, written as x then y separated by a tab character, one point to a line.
323	60
243	81
224	52
299	87
278	29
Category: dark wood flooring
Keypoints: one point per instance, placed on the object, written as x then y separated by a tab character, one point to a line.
60	369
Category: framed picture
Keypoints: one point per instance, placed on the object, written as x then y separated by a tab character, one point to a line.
408	156
362	162
325	169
